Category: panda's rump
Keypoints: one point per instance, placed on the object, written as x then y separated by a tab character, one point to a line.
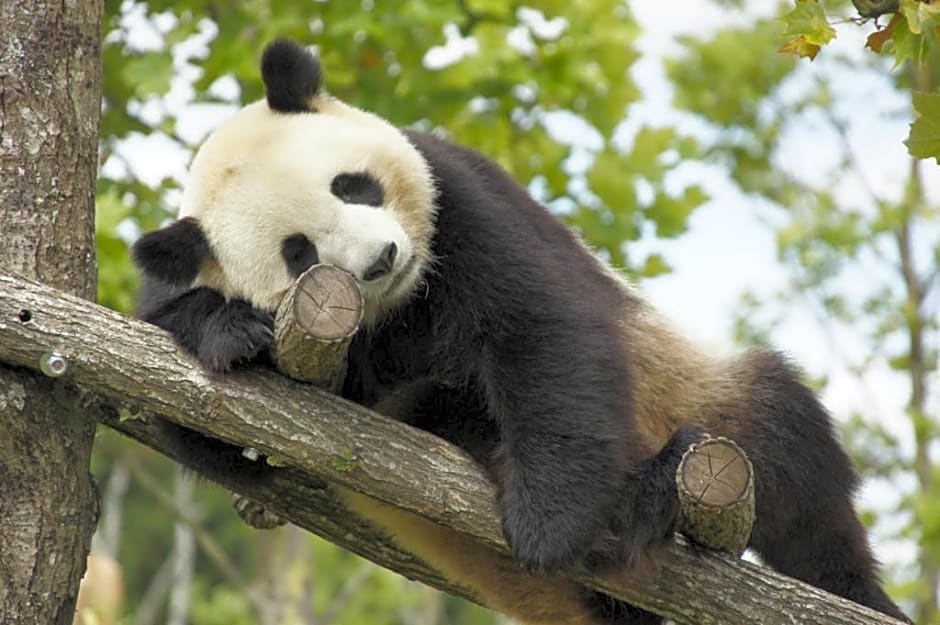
676	384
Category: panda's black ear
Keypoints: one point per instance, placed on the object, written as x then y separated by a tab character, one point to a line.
291	76
174	253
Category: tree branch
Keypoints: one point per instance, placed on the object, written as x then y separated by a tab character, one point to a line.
128	371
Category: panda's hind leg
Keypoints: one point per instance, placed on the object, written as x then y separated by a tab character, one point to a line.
645	517
644	520
806	526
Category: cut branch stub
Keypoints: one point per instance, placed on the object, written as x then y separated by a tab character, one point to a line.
715	481
314	324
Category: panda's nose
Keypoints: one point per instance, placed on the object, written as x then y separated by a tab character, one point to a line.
383	264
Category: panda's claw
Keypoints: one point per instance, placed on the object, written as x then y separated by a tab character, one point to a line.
238	332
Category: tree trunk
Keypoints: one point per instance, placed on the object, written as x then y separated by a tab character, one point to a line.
50	94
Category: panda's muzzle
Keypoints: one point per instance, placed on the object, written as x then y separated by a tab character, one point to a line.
383	264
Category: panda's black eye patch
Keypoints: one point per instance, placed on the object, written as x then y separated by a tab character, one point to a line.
358	188
299	254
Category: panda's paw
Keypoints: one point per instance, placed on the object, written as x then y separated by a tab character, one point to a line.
541	553
547	540
237	332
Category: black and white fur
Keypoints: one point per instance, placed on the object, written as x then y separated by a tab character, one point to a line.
490	324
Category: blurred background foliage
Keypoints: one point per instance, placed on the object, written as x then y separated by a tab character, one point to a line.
548	89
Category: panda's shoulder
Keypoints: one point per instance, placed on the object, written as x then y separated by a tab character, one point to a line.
448	161
471	183
487	219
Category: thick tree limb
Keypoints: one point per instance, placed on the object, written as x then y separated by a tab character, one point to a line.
129	370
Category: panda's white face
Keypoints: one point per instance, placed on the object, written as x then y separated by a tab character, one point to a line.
338	186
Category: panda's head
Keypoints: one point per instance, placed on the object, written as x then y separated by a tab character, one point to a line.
296	179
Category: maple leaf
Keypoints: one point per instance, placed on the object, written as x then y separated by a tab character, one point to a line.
923	141
809	29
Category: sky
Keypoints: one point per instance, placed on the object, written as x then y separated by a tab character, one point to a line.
728	249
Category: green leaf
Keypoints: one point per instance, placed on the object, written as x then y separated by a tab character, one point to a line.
655	265
671	214
648	147
611	179
910	10
808	28
904	44
923	141
150	73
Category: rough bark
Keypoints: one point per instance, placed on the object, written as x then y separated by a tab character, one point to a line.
50	80
131	370
50	99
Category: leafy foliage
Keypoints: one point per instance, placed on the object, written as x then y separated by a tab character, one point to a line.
912	34
487	74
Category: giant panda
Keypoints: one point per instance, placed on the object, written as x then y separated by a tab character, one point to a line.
489	323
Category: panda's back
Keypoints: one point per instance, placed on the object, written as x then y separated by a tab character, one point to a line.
675	382
481	206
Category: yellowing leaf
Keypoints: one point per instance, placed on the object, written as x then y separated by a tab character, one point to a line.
808	27
801	47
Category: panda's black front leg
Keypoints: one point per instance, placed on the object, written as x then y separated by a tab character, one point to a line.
561	461
219	332
552	507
